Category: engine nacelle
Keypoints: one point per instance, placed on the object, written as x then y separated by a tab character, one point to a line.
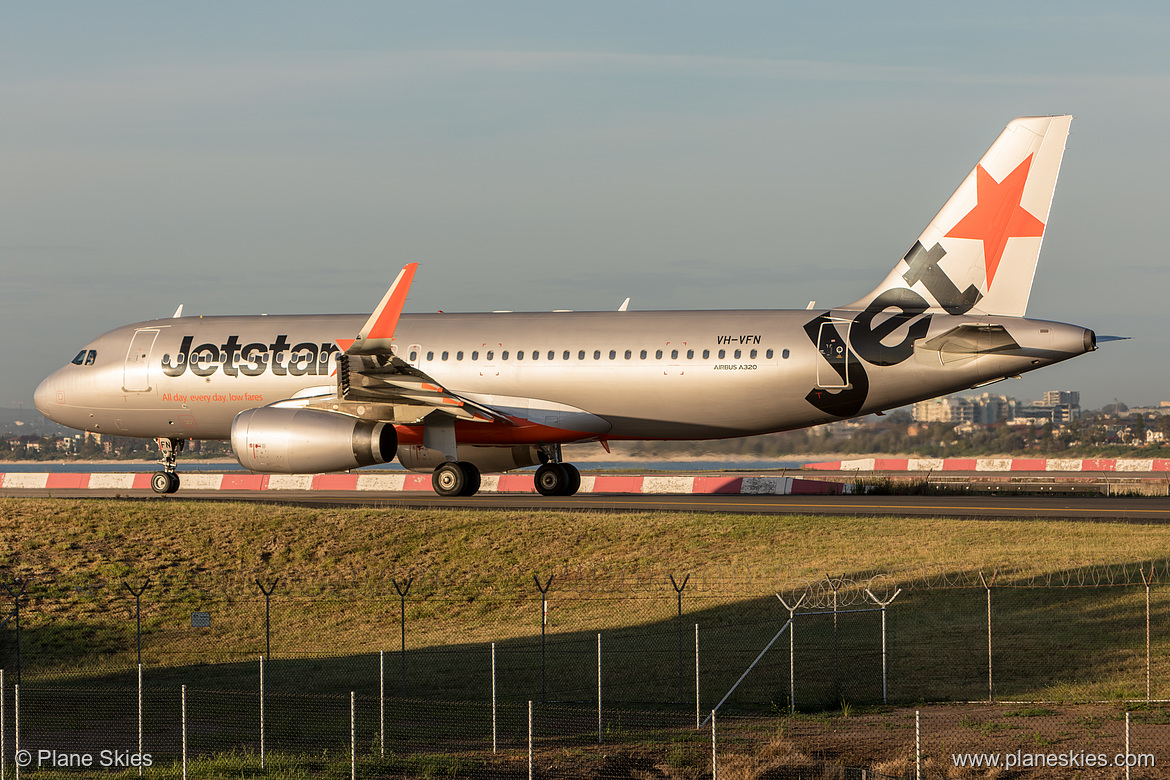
489	460
306	441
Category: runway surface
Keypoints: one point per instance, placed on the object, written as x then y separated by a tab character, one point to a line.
1125	509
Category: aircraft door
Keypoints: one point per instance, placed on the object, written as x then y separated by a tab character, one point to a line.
833	370
136	372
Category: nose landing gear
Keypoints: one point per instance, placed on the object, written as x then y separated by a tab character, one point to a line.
167	481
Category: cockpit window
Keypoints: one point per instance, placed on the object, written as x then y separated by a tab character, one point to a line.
91	357
85	357
77	361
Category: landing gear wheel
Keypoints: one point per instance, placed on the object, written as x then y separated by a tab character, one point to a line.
164	482
471	475
574	479
552	479
449	479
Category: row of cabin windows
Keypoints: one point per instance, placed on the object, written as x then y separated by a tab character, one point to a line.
629	354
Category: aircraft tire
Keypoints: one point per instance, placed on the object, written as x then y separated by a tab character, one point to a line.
163	482
551	480
472	477
574	483
449	480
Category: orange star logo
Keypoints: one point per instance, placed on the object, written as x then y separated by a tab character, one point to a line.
998	215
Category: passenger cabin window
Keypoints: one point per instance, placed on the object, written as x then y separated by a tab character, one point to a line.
413	355
597	354
566	355
753	354
769	354
784	354
536	354
581	355
552	355
738	353
690	354
629	354
706	354
430	356
674	354
613	354
444	354
642	355
490	355
504	355
722	354
459	355
475	355
520	355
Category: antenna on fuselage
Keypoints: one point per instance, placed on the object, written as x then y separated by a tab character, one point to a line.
178	312
625	305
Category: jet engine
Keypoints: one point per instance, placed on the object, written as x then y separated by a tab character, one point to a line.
489	460
306	441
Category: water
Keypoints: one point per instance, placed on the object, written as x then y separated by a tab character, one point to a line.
196	466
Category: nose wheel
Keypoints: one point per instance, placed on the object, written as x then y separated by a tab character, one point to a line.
167	481
164	482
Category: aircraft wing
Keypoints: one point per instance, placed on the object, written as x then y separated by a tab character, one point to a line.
370	373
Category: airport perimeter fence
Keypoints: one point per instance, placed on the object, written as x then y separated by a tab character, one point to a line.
622	672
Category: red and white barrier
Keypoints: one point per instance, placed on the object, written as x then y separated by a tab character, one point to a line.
398	482
995	464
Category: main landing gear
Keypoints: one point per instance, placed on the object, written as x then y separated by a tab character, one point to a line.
167	481
456	479
555	477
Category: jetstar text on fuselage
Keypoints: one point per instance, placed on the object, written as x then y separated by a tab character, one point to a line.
281	357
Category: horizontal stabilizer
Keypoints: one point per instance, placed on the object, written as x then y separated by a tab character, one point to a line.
972	340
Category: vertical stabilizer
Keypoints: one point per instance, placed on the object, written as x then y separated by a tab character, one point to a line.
979	252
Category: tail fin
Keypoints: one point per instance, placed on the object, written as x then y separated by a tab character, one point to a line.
979	252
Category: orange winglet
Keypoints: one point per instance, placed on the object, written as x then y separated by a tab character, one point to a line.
384	320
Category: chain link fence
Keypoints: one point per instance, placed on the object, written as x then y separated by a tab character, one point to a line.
599	675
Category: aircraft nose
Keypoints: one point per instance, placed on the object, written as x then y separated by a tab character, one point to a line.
45	397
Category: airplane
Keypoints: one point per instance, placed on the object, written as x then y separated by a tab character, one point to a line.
461	394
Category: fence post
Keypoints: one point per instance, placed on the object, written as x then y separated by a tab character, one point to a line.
3	761
140	718
184	697
988	585
714	754
352	737
883	605
543	627
530	739
267	625
792	648
493	697
16	593
1148	580
678	589
402	617
137	594
1127	753
16	722
599	689
382	703
262	753
697	724
917	744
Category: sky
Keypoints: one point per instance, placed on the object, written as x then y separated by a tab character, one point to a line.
286	157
